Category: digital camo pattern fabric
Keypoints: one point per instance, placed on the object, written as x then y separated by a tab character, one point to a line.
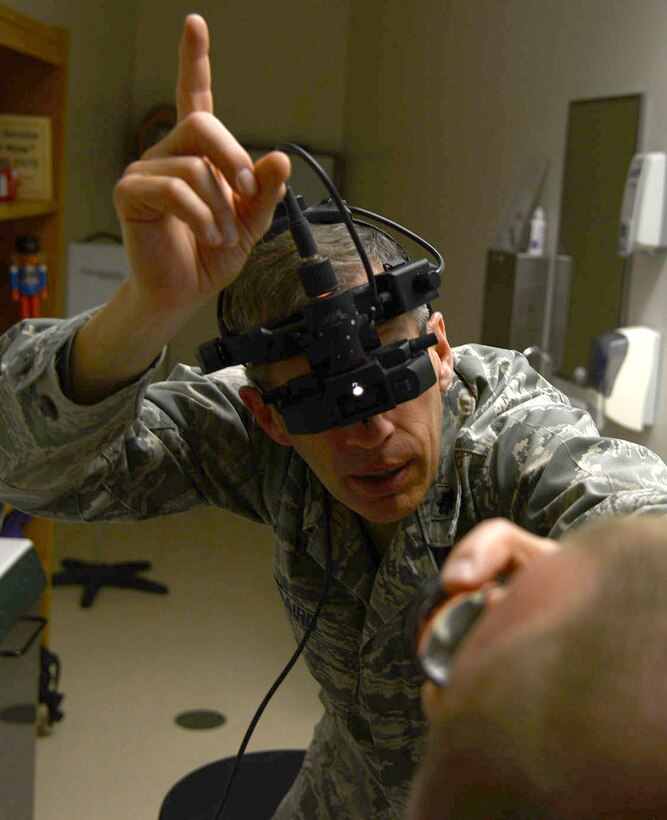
511	446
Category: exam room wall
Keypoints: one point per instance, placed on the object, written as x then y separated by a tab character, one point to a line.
462	94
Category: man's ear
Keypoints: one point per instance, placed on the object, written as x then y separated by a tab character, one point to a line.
265	415
444	367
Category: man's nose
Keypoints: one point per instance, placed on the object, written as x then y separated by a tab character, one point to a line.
369	433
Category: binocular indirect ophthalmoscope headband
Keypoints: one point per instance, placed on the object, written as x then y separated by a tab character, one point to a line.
352	376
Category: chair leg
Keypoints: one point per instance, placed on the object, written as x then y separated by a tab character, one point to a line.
93	575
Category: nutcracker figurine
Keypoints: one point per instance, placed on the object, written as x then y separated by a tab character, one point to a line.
28	276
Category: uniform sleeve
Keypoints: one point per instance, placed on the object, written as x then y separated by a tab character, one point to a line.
531	457
149	449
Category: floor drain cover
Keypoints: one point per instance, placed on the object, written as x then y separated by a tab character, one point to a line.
200	719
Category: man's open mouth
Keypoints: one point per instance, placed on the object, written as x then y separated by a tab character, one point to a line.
378	476
382	481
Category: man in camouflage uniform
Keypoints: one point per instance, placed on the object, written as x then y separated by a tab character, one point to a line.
84	435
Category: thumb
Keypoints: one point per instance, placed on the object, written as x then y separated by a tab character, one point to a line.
271	173
492	547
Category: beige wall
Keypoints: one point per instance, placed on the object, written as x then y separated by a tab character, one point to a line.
279	68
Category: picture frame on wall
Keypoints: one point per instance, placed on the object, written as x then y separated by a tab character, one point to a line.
155	127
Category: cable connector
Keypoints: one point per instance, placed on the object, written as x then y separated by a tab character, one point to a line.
299	227
317	274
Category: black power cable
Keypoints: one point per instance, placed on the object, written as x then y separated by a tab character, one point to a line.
290	148
309	631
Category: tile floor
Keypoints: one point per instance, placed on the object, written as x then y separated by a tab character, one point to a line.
134	661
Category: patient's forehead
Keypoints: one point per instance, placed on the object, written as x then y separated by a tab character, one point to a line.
537	599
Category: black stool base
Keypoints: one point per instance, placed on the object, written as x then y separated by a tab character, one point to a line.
261	782
94	575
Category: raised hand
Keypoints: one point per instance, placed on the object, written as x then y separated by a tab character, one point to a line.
191	210
194	205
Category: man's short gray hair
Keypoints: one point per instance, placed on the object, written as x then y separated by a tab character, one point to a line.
269	287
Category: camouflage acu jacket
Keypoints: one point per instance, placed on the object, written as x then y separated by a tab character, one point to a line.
511	446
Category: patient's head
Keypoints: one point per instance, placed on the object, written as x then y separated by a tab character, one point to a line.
557	705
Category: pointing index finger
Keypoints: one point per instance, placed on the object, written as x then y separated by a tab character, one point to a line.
193	87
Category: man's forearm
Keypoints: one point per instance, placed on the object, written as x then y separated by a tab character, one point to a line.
119	343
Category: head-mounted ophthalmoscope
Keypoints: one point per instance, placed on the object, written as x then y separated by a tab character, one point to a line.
352	376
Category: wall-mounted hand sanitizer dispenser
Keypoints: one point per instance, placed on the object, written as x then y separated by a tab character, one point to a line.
643	224
624	370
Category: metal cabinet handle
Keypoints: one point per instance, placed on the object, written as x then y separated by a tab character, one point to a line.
16	653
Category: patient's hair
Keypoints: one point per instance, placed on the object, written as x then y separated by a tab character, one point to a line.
269	286
571	724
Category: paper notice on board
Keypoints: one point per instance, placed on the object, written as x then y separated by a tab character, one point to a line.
513	226
25	143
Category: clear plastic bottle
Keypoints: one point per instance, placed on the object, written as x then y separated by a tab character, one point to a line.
538	231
